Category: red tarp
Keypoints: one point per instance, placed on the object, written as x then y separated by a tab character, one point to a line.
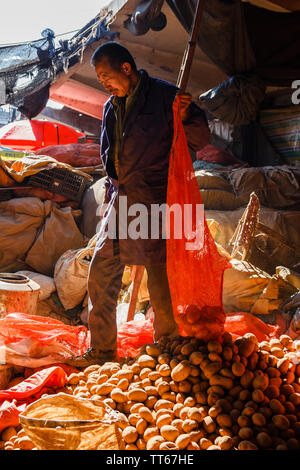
31	135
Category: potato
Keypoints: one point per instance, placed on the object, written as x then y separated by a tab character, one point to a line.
224	382
261	382
182	441
238	369
187	349
195	414
224	420
150	432
163	420
224	442
109	368
189	425
171	396
205	443
246	347
150	402
8	433
178	424
163	404
73	379
146	414
214	346
141	444
154	375
168	446
211	369
258	419
214	357
185	386
245	433
209	424
146	361
118	395
153	350
181	371
163	387
164	411
247	445
281	422
292	444
154	442
295	398
138	395
141	426
103	389
130	434
131	447
177	409
170	433
276	406
196	357
277	352
25	443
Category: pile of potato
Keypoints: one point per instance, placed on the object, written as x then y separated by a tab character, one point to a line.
15	439
182	393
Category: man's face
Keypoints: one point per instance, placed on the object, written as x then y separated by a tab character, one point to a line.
116	82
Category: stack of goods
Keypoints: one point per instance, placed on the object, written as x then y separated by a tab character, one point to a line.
182	393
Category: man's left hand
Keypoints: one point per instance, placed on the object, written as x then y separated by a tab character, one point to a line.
185	101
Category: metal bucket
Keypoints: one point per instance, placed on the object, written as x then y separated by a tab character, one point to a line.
18	293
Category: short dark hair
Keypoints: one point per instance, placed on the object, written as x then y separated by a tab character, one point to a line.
115	53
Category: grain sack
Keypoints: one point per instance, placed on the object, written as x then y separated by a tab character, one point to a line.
71	273
59	234
64	422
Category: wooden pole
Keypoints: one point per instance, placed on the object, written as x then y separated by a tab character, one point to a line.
138	272
187	60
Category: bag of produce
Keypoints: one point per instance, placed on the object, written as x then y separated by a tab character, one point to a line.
194	266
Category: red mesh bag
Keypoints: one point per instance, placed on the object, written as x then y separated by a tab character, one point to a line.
195	269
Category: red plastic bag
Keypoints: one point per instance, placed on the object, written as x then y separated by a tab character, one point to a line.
18	397
68	369
132	336
34	341
195	269
9	414
239	323
52	377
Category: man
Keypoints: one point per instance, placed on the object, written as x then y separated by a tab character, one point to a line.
136	138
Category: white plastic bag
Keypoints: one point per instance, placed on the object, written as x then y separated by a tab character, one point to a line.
71	273
46	283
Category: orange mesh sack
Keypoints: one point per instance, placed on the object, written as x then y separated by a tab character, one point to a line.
194	266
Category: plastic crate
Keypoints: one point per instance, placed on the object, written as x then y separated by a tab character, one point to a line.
62	181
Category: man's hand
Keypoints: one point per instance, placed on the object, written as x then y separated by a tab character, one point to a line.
185	101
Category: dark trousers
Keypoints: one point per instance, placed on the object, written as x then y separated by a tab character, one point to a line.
104	284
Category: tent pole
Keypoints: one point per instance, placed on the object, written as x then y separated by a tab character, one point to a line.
187	60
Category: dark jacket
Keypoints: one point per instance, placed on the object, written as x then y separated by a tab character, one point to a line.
144	162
